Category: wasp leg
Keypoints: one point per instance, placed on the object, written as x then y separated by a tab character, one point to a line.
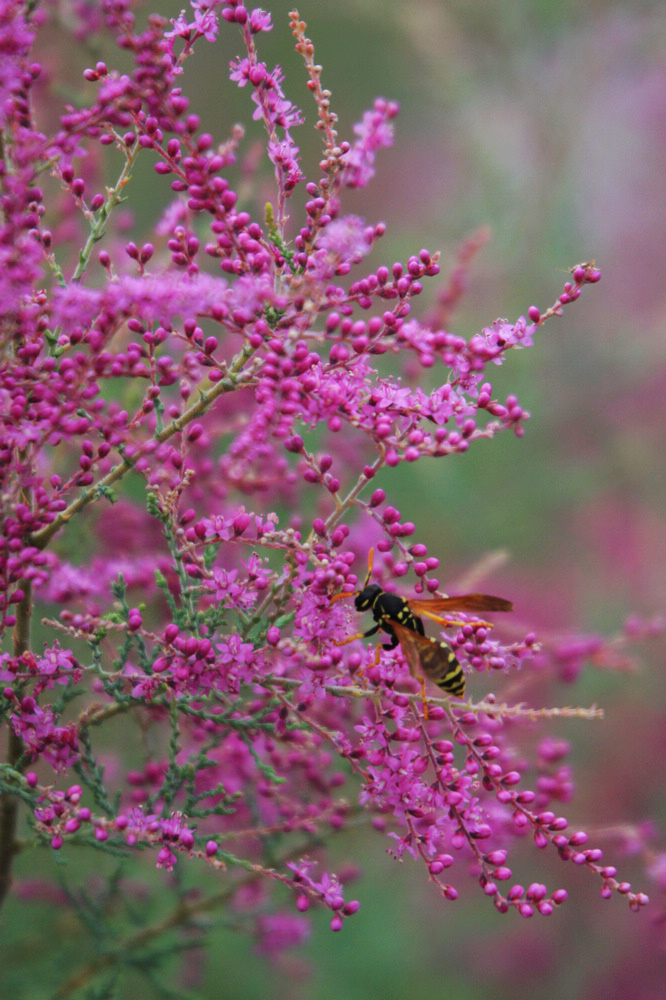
449	622
360	673
393	644
424	699
361	670
362	635
357	635
350	638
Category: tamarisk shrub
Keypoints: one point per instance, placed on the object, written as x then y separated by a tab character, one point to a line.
191	427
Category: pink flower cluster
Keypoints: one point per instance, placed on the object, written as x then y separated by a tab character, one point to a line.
190	431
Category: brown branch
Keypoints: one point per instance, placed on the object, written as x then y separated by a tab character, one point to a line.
181	914
8	802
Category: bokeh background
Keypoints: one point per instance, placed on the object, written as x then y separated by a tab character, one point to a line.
546	123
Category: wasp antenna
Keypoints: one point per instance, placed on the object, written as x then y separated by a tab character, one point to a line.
371	554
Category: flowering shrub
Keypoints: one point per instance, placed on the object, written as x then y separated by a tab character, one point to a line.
190	433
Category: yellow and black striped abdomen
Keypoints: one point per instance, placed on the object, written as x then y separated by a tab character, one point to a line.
431	658
440	664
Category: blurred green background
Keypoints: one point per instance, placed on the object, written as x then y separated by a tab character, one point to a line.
545	122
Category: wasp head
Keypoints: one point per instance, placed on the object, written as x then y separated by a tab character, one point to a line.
366	598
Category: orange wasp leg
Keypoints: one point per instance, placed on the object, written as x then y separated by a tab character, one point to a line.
423	698
359	635
449	622
350	638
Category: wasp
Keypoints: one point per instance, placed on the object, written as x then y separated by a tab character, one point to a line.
399	618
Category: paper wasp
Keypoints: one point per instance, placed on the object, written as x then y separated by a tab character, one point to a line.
399	617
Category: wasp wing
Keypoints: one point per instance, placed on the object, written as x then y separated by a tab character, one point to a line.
465	602
431	658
